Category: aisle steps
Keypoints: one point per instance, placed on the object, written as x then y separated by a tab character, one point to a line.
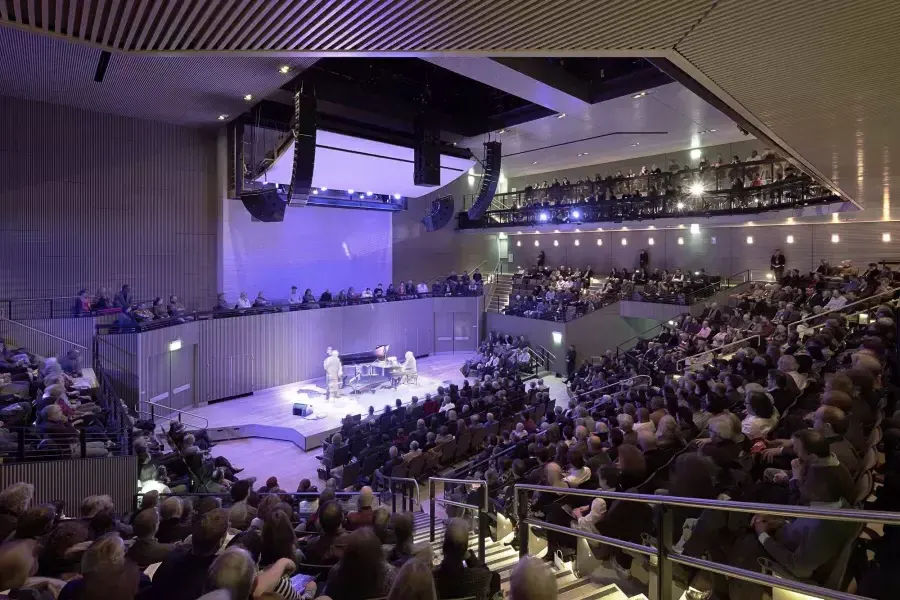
501	558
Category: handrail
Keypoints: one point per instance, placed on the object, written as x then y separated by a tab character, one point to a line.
662	549
694	358
823	314
472	466
71	343
623	382
415	485
482	523
178	410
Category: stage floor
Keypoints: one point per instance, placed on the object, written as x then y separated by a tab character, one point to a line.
271	408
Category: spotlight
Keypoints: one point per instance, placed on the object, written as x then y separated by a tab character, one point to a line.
696	153
561	116
696	273
396	196
350	192
680	205
543	217
697	189
324	189
223	117
790	239
369	194
695	228
577	243
284	69
885	237
576	214
248	97
681	241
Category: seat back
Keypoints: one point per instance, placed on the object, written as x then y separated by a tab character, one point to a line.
462	444
416	466
493	428
400	471
870	458
432	460
478	438
874	437
448	451
341	456
349	474
370	463
865	483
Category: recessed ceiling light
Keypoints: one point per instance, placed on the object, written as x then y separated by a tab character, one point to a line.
396	196
712	130
223	117
585	153
635	144
534	163
641	95
454	143
284	69
561	116
502	131
248	97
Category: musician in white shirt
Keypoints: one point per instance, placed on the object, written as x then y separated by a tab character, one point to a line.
294	298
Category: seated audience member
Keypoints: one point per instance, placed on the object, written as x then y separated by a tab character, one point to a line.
172	527
14	501
364	515
260	301
414	581
182	574
362	573
234	571
243	301
17	567
222	302
146	550
531	579
103	557
329	545
175	308
460	573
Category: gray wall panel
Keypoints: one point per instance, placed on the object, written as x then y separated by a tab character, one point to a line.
120	200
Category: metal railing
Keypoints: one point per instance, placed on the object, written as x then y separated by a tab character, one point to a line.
662	551
154	405
631	382
481	510
62	446
824	314
404	483
70	343
709	354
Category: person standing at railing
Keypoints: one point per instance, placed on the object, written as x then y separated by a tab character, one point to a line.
82	305
777	263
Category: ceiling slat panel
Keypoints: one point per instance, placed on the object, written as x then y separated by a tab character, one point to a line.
339	12
311	23
201	24
161	24
85	19
175	25
228	24
282	13
186	24
247	20
127	10
138	17
221	11
110	21
147	24
98	19
286	29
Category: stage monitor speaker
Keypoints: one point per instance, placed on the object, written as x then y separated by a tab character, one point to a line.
302	410
305	128
489	181
441	214
426	152
265	205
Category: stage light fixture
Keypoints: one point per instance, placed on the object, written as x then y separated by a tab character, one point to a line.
248	97
697	188
695	228
885	237
543	217
680	205
396	196
790	239
284	69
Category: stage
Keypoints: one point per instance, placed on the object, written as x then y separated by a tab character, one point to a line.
268	413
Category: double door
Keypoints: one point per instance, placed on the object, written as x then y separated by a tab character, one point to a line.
455	332
170	381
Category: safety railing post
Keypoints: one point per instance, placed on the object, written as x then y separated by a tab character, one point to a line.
393	495
20	450
482	533
82	442
431	503
663	564
522	504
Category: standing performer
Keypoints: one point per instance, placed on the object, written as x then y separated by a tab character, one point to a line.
334	374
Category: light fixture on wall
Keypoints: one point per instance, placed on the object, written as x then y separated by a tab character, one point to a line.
835	238
696	153
695	228
599	242
557	337
650	241
577	243
885	237
624	242
556	242
536	243
790	239
519	243
712	240
681	241
680	206
749	239
174	345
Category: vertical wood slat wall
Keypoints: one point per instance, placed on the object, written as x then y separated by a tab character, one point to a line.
73	480
93	200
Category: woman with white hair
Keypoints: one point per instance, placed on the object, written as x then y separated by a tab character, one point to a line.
410	370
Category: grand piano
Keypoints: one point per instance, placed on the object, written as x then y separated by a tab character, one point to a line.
369	371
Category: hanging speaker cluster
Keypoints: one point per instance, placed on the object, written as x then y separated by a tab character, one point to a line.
268	204
426	152
488	182
440	215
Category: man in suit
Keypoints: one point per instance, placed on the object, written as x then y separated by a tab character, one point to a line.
146	550
461	574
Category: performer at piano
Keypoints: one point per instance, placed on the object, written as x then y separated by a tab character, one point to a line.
334	374
409	363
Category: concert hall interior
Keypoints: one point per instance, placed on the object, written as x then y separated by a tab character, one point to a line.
559	299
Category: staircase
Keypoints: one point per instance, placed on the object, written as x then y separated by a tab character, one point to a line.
500	294
501	558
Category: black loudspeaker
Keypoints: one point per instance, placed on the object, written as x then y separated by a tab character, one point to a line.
302	410
488	182
440	215
426	153
305	127
265	205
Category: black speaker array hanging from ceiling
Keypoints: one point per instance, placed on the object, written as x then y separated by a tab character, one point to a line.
489	181
426	152
440	215
268	204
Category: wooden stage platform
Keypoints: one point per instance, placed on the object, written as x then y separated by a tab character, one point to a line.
267	413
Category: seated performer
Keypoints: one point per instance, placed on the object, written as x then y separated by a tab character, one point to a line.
334	373
409	366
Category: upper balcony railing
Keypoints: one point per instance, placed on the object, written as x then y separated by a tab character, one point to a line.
681	203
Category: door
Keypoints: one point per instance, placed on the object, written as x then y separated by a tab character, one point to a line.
443	332
181	371
464	332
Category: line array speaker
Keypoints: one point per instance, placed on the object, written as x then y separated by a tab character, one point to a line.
426	152
488	182
305	127
440	215
265	205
